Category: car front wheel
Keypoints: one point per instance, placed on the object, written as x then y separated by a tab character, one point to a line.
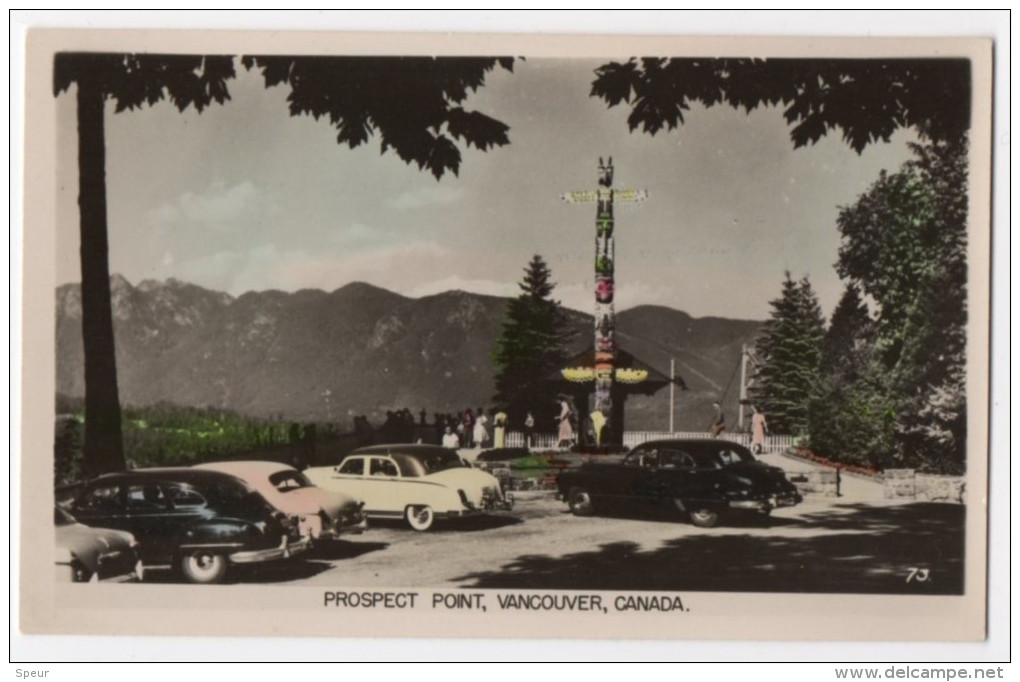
204	567
419	517
580	502
704	518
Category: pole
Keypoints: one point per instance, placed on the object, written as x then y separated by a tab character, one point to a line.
672	392
743	386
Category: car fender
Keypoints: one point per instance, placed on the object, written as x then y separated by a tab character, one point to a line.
440	497
223	532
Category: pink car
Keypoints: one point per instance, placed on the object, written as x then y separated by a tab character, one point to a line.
322	514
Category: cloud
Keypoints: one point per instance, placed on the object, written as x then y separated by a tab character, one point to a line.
425	196
358	236
218	207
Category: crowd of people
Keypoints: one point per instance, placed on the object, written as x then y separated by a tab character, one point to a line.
481	428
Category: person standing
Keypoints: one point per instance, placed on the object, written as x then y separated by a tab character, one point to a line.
566	431
467	420
718	424
598	422
529	430
499	430
759	427
481	433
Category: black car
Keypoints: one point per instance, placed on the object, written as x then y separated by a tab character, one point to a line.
199	522
701	478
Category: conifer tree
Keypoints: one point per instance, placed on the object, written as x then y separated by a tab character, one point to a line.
533	344
851	417
790	348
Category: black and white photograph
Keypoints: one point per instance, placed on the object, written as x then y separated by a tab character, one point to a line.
627	338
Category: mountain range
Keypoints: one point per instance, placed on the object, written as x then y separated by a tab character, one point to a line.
313	355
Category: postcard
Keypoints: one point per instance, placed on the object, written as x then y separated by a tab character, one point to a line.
589	337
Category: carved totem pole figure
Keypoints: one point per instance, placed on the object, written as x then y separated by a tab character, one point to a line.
605	282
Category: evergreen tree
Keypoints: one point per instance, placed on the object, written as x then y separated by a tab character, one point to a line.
533	344
849	338
790	348
851	417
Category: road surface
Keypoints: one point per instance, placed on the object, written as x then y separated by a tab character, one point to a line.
842	545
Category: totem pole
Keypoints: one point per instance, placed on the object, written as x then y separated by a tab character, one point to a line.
605	284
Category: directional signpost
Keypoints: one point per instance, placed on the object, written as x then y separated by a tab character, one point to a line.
605	284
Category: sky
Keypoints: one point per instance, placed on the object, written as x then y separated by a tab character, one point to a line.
245	197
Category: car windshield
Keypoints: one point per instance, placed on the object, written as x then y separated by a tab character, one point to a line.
285	481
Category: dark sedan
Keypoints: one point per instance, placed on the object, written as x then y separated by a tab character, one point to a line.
703	479
199	522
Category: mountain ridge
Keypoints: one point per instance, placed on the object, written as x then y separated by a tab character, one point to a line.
312	355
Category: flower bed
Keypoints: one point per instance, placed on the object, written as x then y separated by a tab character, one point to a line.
805	454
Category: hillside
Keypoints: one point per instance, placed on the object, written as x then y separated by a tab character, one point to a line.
315	355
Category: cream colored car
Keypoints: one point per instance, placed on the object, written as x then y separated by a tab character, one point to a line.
322	514
417	483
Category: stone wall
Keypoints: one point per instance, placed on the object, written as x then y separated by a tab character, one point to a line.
815	481
908	484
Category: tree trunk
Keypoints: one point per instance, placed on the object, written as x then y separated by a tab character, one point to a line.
104	446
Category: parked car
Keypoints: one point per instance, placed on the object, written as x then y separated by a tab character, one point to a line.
91	555
704	479
418	483
198	522
322	514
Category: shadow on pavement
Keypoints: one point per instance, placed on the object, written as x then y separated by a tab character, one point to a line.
303	566
858	549
343	549
672	516
463	525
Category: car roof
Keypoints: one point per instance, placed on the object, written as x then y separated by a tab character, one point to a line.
698	443
413	449
173	474
245	468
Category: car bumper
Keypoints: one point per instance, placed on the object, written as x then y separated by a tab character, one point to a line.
767	504
494	507
286	550
352	529
136	574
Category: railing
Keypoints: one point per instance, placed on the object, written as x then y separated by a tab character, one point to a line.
773	443
515	439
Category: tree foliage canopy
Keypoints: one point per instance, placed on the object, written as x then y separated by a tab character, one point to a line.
413	103
904	242
866	99
136	80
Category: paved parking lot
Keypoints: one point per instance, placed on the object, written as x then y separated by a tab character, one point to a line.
845	545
